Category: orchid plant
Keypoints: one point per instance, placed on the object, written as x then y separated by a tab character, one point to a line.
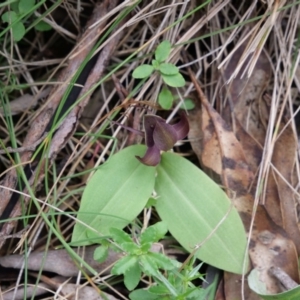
184	196
191	205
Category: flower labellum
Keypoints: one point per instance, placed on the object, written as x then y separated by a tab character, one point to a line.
161	136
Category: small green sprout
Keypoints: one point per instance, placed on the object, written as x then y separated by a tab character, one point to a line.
139	257
169	73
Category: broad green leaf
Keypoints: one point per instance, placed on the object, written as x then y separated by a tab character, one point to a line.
132	277
154	233
119	236
25	5
151	202
124	264
168	69
42	26
165	98
142	71
260	288
142	294
115	195
192	205
162	51
174	80
100	254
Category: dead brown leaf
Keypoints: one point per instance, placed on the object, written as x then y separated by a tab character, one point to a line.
270	245
284	158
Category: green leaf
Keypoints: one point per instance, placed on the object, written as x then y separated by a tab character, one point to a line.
142	294
9	17
260	288
132	277
123	264
165	98
145	247
154	233
159	290
168	69
151	202
15	7
42	26
142	71
148	236
100	254
194	294
162	51
25	5
155	64
187	104
131	248
192	205
163	262
148	265
120	236
174	80
116	194
18	31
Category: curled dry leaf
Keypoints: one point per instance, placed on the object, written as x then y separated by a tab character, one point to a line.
248	113
245	108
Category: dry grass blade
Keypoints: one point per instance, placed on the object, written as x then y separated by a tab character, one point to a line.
256	38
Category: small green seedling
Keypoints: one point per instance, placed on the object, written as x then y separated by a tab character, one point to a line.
139	258
170	279
15	18
169	73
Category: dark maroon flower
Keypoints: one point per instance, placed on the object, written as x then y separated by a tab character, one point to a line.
161	136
